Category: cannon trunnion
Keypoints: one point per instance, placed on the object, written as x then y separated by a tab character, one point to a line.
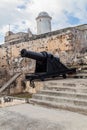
47	66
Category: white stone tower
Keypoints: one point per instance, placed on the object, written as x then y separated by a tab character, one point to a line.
43	23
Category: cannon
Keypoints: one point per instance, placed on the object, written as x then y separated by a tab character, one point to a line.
48	67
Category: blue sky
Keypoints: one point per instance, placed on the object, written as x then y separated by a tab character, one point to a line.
21	14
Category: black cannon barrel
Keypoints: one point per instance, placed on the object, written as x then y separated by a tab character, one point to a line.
33	55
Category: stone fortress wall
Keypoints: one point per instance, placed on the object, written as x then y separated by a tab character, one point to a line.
68	44
61	43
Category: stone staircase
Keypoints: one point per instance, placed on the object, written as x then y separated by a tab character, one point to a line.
68	94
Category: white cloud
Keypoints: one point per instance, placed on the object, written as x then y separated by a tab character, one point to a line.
21	14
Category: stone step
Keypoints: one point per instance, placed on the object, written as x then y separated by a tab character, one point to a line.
60	84
65	100
66	85
67	89
70	107
67	82
83	71
64	94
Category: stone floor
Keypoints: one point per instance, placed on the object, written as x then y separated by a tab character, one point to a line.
33	117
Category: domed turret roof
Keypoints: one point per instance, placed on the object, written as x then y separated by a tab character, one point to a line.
43	14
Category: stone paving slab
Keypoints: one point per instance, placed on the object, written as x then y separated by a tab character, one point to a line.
33	117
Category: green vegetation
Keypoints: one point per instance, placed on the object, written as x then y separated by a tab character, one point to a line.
22	95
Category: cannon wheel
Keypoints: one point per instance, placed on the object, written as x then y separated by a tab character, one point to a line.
64	76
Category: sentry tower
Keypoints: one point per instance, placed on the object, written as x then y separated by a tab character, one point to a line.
43	23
